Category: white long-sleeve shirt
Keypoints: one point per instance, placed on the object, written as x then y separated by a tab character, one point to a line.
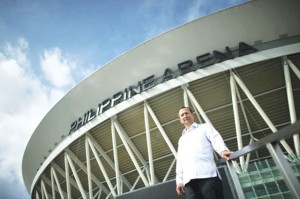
195	152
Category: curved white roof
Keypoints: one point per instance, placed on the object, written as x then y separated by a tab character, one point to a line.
255	22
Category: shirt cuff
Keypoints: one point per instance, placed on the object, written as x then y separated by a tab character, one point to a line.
179	181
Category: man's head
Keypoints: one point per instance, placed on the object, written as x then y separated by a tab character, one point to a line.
186	116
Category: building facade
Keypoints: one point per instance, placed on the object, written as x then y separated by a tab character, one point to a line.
117	131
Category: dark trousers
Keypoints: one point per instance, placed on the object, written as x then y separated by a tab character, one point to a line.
208	188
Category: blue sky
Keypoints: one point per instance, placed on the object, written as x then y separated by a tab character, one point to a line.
47	47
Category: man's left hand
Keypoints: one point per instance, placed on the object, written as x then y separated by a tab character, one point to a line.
226	154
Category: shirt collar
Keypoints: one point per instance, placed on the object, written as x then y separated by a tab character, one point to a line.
193	126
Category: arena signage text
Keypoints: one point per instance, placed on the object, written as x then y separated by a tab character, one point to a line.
187	66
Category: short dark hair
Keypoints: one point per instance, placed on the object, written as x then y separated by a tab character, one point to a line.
191	110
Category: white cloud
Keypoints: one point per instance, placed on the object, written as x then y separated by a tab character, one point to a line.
57	68
17	53
24	100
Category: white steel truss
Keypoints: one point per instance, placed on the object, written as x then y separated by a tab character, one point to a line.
149	146
69	163
195	103
145	169
44	190
54	179
260	111
161	130
289	64
48	182
107	158
131	149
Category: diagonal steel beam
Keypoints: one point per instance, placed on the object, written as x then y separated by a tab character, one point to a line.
122	133
84	168
161	130
77	179
64	174
130	143
103	171
54	178
261	112
44	190
107	158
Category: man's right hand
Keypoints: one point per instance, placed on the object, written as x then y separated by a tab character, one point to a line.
180	189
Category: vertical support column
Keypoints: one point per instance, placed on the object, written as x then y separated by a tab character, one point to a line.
185	96
149	145
67	178
236	118
116	159
290	97
88	165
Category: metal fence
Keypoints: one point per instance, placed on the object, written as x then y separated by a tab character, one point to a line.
283	167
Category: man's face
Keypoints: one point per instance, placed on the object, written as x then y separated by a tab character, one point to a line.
186	117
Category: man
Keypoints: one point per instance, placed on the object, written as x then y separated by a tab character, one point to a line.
197	176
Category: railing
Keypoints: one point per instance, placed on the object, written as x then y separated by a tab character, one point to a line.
271	142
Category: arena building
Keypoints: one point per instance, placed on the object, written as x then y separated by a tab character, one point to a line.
116	132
